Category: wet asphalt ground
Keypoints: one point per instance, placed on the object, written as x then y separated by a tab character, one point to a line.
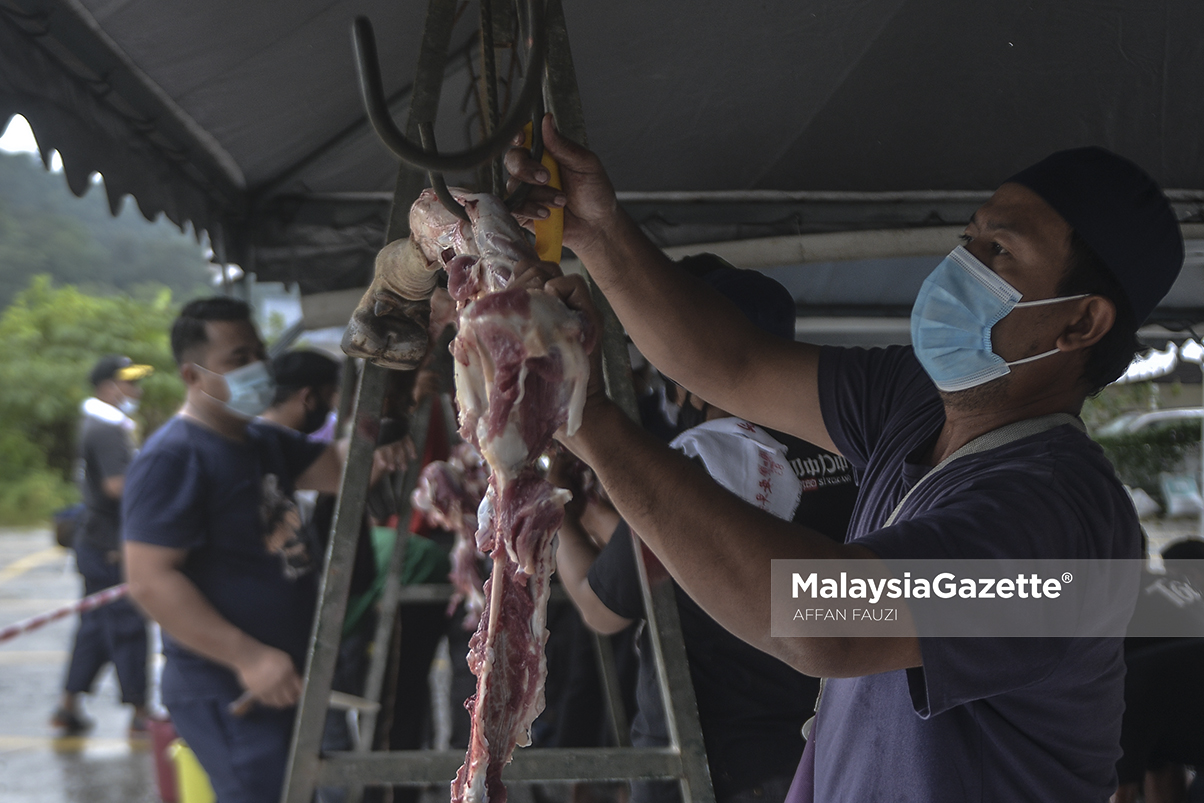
105	766
35	767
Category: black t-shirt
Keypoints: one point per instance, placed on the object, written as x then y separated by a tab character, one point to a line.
751	705
105	451
1164	699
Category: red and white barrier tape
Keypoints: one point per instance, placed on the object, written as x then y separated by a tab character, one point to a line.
86	604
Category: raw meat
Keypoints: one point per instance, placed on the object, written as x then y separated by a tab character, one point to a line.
506	653
389	326
449	499
472	468
521	372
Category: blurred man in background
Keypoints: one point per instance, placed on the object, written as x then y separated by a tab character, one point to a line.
215	555
307	389
115	632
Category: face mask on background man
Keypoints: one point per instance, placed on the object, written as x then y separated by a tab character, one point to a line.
315	418
250	388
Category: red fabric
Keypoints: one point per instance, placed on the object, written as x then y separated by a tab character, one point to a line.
163	733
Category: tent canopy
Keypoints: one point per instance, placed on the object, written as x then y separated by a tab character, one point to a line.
718	121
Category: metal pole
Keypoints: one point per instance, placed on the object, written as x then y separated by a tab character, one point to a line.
217	240
424	103
674	681
561	96
611	692
390	595
488	89
564	101
301	774
660	603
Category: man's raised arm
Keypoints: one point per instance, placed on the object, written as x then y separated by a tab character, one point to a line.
686	329
716	546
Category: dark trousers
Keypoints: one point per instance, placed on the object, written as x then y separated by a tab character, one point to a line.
244	757
406	699
111	633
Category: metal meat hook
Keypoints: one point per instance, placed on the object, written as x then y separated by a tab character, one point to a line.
427	132
427	156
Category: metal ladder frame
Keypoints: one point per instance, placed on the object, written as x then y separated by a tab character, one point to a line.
684	759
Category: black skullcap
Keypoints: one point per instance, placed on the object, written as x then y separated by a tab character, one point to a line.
1120	212
305	369
764	301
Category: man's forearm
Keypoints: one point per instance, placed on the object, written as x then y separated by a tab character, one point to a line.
655	299
717	547
172	600
701	340
575	554
599	521
326	472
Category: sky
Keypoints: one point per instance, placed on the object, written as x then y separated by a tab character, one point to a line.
18	138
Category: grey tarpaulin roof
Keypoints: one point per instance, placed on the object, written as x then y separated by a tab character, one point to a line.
246	114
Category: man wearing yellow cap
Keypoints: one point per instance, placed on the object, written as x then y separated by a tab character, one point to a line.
114	632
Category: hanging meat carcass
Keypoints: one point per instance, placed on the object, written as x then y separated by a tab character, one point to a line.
390	325
521	373
448	497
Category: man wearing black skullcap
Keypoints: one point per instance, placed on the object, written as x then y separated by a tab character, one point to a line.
750	705
1036	310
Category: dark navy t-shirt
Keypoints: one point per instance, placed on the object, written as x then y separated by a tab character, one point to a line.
983	719
229	504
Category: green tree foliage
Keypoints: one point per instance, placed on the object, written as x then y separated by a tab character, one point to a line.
1114	400
46	229
50	337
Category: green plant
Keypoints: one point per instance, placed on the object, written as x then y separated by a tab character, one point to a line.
44	229
1116	399
29	490
49	340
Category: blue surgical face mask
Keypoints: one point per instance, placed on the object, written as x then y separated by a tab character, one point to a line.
952	318
250	387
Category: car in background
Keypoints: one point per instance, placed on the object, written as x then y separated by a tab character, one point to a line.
1138	421
1158	452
